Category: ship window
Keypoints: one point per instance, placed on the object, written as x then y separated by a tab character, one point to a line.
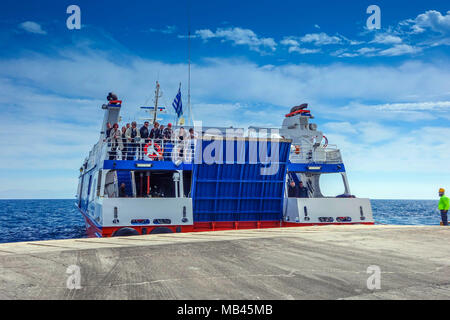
99	183
109	184
331	184
94	182
89	186
154	184
187	183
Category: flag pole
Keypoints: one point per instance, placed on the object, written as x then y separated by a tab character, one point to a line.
178	117
189	64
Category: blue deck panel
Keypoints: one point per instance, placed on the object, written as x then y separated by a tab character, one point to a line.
134	165
238	191
318	167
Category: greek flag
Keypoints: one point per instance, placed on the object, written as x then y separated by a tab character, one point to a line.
177	105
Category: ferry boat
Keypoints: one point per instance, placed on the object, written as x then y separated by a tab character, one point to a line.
213	179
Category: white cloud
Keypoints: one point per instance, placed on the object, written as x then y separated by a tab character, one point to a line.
56	102
366	51
340	127
288	41
372	132
239	36
92	75
294	46
378	149
32	27
396	50
294	43
431	20
348	55
384	38
415	106
400	49
303	50
398	112
320	39
165	30
205	34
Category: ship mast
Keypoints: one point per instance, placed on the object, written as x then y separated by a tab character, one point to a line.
189	78
157	96
189	65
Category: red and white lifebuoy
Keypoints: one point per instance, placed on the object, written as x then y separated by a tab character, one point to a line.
152	150
326	142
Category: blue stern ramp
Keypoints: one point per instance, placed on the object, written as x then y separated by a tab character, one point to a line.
244	186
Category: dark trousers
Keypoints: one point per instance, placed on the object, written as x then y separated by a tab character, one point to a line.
444	217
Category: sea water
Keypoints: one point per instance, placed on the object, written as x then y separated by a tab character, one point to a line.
28	220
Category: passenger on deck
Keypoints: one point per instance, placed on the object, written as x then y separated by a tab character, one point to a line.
161	131
124	143
181	137
293	190
108	131
131	135
122	191
192	134
191	142
181	134
155	133
167	132
116	141
302	191
145	133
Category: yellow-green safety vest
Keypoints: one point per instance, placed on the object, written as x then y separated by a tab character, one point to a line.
444	203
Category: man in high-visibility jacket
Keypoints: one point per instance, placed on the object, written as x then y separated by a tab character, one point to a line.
444	206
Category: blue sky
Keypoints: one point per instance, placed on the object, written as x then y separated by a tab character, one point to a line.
383	96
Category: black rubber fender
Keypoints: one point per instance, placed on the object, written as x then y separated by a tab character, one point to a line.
161	230
124	232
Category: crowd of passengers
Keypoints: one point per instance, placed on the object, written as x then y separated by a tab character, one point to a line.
131	140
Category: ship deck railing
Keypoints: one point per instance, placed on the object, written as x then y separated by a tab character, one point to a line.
152	149
320	154
184	150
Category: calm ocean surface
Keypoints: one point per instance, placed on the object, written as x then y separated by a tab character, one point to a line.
26	220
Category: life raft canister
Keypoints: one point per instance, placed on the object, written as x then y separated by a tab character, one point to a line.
152	150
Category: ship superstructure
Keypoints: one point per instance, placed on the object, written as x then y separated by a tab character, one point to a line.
213	179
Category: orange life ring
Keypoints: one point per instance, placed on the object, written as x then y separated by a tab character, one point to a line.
297	149
154	152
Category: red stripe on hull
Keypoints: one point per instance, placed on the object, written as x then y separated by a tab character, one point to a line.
293	224
93	231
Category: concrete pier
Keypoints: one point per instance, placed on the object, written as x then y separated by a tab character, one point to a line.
327	262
